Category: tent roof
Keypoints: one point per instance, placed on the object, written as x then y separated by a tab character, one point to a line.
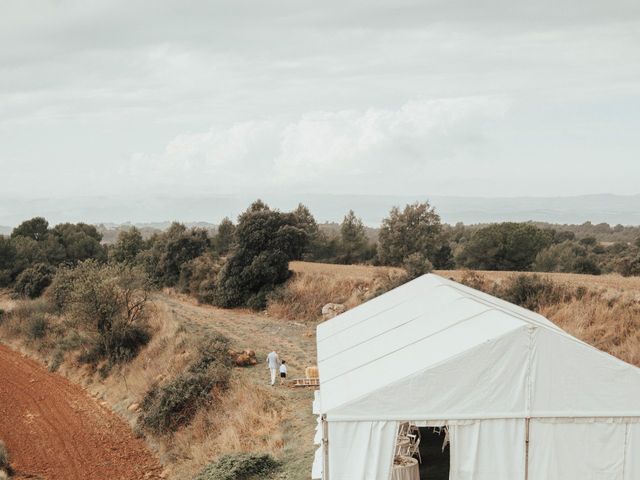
434	348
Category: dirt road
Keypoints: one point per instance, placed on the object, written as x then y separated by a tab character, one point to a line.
54	430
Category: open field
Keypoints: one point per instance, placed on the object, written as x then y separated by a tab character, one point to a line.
362	272
630	285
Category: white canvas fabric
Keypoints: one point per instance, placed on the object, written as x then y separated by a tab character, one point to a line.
362	450
576	451
462	387
488	450
572	379
632	452
433	350
316	469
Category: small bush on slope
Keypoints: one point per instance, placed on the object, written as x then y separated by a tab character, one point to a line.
32	281
168	407
5	467
243	466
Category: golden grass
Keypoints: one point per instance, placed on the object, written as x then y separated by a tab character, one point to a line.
359	272
313	285
249	418
609	281
606	315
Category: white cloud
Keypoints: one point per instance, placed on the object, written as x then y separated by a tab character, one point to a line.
343	149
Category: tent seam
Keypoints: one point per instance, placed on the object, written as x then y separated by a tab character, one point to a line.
374	315
466	319
446	360
413	319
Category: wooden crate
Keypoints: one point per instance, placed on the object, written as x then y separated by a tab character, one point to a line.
305	382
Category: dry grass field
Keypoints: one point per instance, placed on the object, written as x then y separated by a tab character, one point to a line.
603	310
316	284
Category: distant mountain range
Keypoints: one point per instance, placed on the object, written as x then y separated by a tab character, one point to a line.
158	211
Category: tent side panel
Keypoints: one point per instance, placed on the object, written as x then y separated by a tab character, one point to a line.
487	381
574	380
576	451
362	450
488	450
632	452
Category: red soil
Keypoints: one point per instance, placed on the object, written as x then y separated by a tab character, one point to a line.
54	430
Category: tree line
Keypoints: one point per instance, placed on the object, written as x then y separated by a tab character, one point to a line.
242	262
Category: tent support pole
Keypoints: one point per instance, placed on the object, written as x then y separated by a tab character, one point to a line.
325	448
526	449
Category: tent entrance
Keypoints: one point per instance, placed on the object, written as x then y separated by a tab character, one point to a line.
435	461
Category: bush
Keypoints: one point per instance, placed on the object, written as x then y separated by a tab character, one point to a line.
166	408
239	466
530	291
32	281
110	302
61	289
126	341
417	265
198	277
4	458
37	327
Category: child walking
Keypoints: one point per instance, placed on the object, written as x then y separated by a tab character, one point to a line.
283	372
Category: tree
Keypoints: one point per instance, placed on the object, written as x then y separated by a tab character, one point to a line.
110	303
353	239
225	237
415	229
305	220
504	246
172	249
80	242
36	229
128	245
266	241
7	261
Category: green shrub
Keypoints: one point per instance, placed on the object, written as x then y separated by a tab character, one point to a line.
32	281
198	277
168	407
37	327
417	265
110	302
239	466
61	288
4	457
530	291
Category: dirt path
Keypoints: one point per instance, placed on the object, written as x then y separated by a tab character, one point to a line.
54	430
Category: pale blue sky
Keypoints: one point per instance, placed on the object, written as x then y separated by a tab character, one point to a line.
492	98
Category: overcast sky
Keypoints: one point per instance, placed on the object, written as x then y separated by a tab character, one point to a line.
393	97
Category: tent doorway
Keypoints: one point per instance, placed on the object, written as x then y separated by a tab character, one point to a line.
435	462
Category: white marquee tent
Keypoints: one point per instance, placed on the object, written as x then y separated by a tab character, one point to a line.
522	398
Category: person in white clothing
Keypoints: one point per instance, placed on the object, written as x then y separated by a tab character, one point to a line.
273	362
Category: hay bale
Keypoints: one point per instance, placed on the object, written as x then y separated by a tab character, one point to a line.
244	360
311	372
